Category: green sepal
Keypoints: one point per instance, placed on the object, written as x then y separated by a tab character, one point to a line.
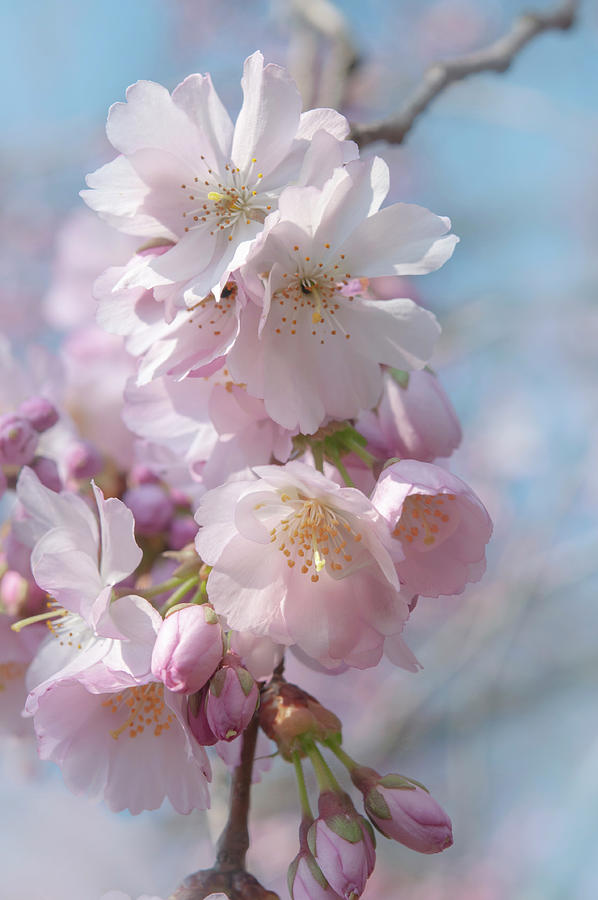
246	681
316	871
400	781
401	377
291	873
210	616
376	805
370	830
346	828
311	840
217	682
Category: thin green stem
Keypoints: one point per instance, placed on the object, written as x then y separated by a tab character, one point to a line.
178	595
341	755
158	588
318	453
301	786
336	457
360	451
325	776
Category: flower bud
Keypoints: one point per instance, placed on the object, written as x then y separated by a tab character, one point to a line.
47	472
188	648
39	412
18	440
402	809
306	881
342	843
151	507
83	460
182	531
288	713
232	699
198	721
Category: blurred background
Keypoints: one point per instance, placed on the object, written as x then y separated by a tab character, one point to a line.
501	724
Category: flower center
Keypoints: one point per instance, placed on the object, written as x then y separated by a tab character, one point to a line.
140	707
427	521
311	302
314	536
221	202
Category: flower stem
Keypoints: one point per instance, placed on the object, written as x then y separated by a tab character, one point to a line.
341	755
360	451
234	840
178	595
336	457
318	454
157	588
325	776
305	808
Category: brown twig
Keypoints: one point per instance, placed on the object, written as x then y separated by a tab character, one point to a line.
229	875
495	58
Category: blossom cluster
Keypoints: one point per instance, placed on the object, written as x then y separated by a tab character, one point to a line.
282	482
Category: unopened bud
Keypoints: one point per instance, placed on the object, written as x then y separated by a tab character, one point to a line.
188	648
47	472
83	460
232	699
151	507
342	843
41	414
288	713
402	809
198	720
18	440
182	531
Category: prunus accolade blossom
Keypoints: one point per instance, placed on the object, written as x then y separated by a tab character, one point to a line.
304	561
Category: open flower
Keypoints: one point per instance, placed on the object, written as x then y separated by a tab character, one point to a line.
188	175
304	561
311	351
440	527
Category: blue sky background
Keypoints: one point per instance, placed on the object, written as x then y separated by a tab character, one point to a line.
502	722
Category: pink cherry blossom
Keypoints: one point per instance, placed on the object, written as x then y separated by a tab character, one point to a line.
212	424
188	175
416	421
125	741
439	526
304	561
311	351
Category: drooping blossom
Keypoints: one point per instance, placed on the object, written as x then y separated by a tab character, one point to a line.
121	739
308	349
439	526
304	561
188	176
342	843
415	420
211	423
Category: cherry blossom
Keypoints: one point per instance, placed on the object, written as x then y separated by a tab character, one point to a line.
440	527
304	561
310	350
188	176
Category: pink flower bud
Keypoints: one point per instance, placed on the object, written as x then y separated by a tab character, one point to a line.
40	413
182	531
403	810
198	721
83	460
232	699
414	419
47	472
188	648
151	506
18	440
342	843
20	596
306	880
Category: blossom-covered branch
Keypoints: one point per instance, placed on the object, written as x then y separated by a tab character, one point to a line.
495	58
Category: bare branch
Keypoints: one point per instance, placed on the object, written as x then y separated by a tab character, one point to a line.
495	58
